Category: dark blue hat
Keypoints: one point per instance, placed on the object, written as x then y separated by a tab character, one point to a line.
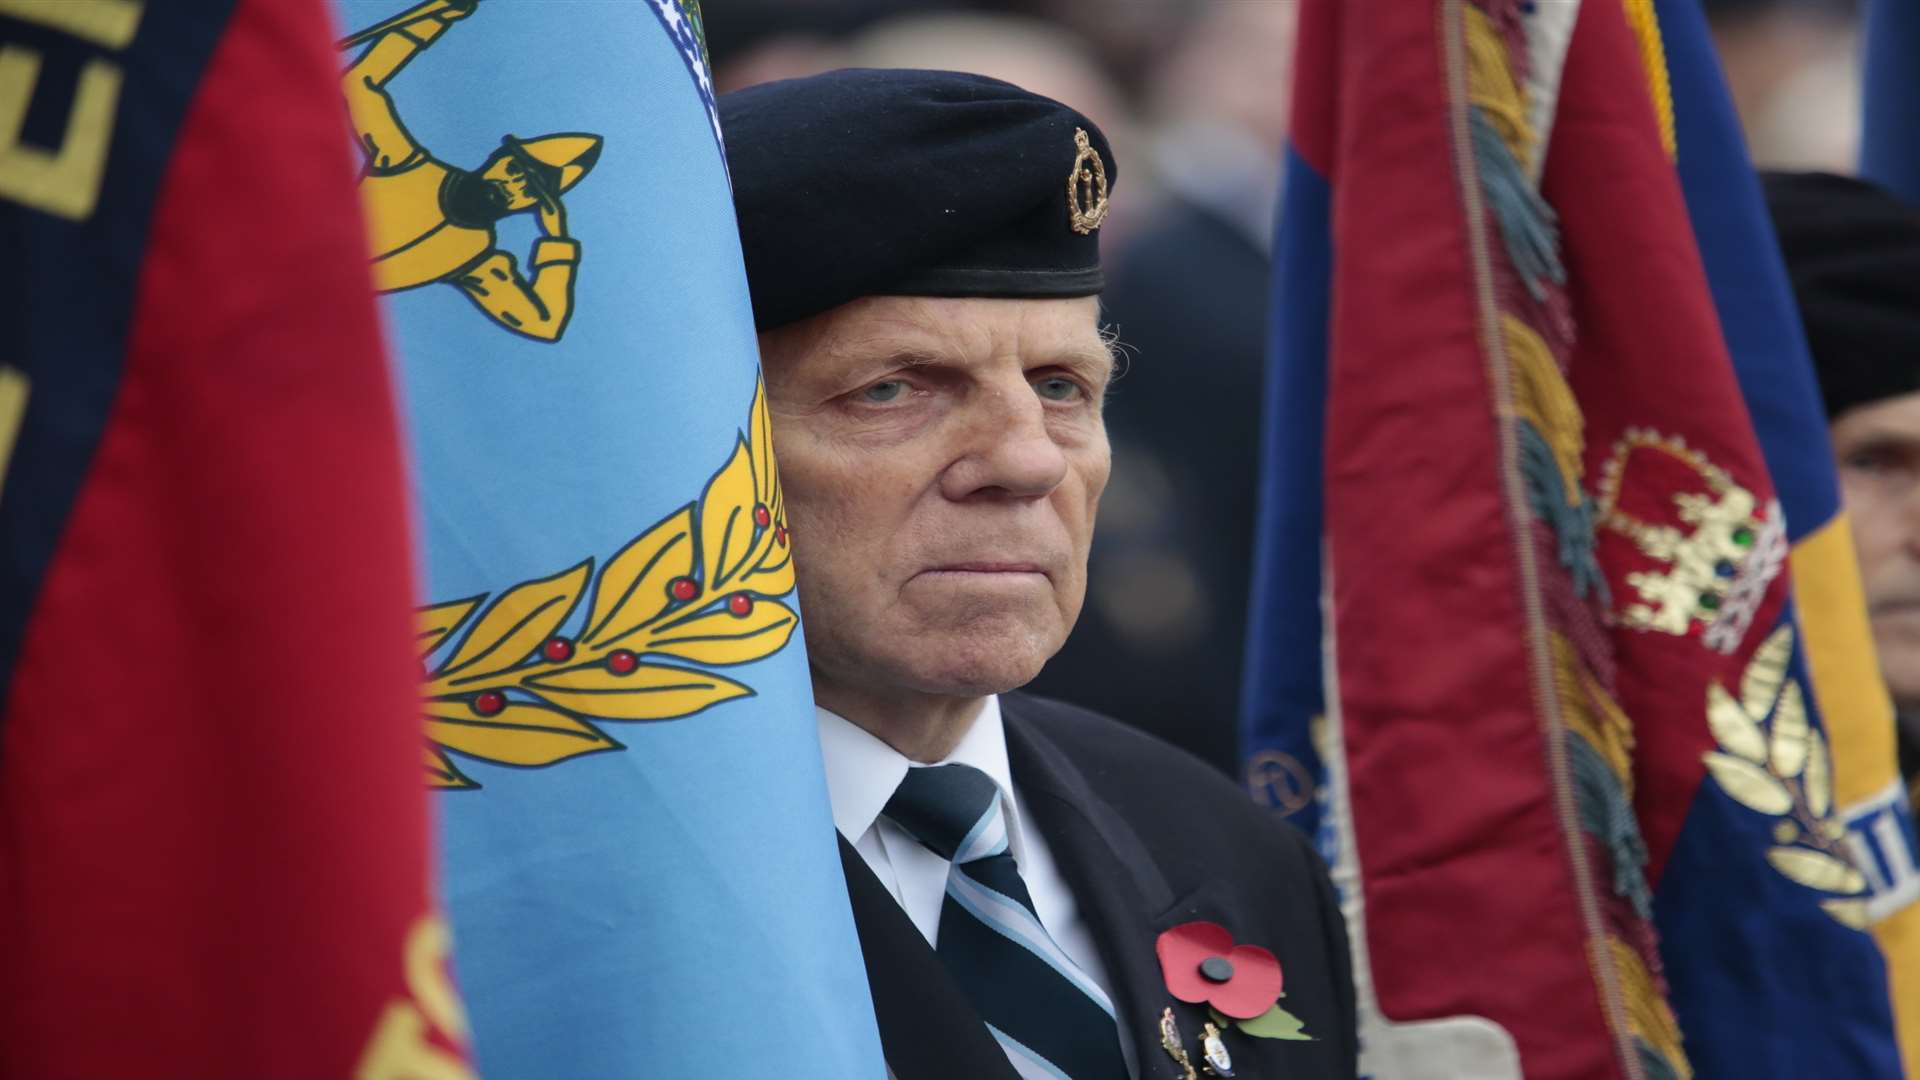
1853	254
912	183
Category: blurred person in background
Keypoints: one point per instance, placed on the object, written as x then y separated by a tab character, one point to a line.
1188	296
1131	37
756	41
1027	52
1853	253
1793	68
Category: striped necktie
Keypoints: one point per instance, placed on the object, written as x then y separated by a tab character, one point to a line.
1050	1018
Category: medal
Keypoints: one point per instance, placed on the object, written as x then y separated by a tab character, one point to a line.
1170	1041
1218	1061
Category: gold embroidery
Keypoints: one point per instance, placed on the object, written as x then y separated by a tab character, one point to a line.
1773	761
1086	186
1717	532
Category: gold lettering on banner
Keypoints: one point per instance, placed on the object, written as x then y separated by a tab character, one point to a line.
107	23
400	1048
67	182
14	385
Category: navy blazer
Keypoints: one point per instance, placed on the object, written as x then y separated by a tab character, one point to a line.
1147	837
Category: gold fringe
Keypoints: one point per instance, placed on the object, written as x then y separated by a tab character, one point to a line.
1542	396
1590	712
1648	1013
1492	87
1653	57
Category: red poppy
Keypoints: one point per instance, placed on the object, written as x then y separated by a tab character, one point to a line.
1202	964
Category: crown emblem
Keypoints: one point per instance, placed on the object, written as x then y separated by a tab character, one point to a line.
1086	186
1717	549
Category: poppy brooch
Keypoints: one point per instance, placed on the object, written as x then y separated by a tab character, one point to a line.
1241	986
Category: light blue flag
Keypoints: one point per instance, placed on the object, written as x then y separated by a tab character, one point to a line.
640	860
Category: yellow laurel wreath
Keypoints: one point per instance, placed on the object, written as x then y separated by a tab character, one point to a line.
1781	767
699	586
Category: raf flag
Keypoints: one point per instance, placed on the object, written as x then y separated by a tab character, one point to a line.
214	856
1890	126
639	858
1567	753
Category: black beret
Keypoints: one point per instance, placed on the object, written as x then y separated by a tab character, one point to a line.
1853	254
911	183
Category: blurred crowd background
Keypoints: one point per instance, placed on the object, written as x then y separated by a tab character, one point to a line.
1193	96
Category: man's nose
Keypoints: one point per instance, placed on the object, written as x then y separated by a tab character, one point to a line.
1007	451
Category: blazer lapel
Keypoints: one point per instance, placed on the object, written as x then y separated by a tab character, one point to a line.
1114	879
928	1030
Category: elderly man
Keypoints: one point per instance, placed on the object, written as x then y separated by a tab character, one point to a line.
1040	891
1853	252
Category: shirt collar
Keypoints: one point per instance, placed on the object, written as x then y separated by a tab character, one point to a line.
863	772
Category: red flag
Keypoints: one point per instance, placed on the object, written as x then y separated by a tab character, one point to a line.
213	838
1568	702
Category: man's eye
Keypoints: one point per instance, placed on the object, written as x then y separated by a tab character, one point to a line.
1873	461
1057	389
884	391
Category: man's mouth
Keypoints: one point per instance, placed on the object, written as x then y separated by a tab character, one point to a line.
986	571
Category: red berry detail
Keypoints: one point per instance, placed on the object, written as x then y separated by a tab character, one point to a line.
780	536
489	702
622	662
740	604
762	516
683	588
557	649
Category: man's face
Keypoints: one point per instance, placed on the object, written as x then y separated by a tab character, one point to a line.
942	460
510	180
1878	447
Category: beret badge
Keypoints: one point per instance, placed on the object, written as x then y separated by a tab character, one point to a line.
1086	186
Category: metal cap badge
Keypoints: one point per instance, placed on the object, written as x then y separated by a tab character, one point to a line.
1086	186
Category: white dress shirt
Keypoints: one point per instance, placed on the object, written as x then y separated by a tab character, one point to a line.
863	773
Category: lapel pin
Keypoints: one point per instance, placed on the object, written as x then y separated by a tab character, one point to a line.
1218	1061
1170	1041
1241	985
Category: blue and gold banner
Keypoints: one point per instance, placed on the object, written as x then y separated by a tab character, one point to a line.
1841	677
640	861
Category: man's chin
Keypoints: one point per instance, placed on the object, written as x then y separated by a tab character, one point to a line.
975	665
